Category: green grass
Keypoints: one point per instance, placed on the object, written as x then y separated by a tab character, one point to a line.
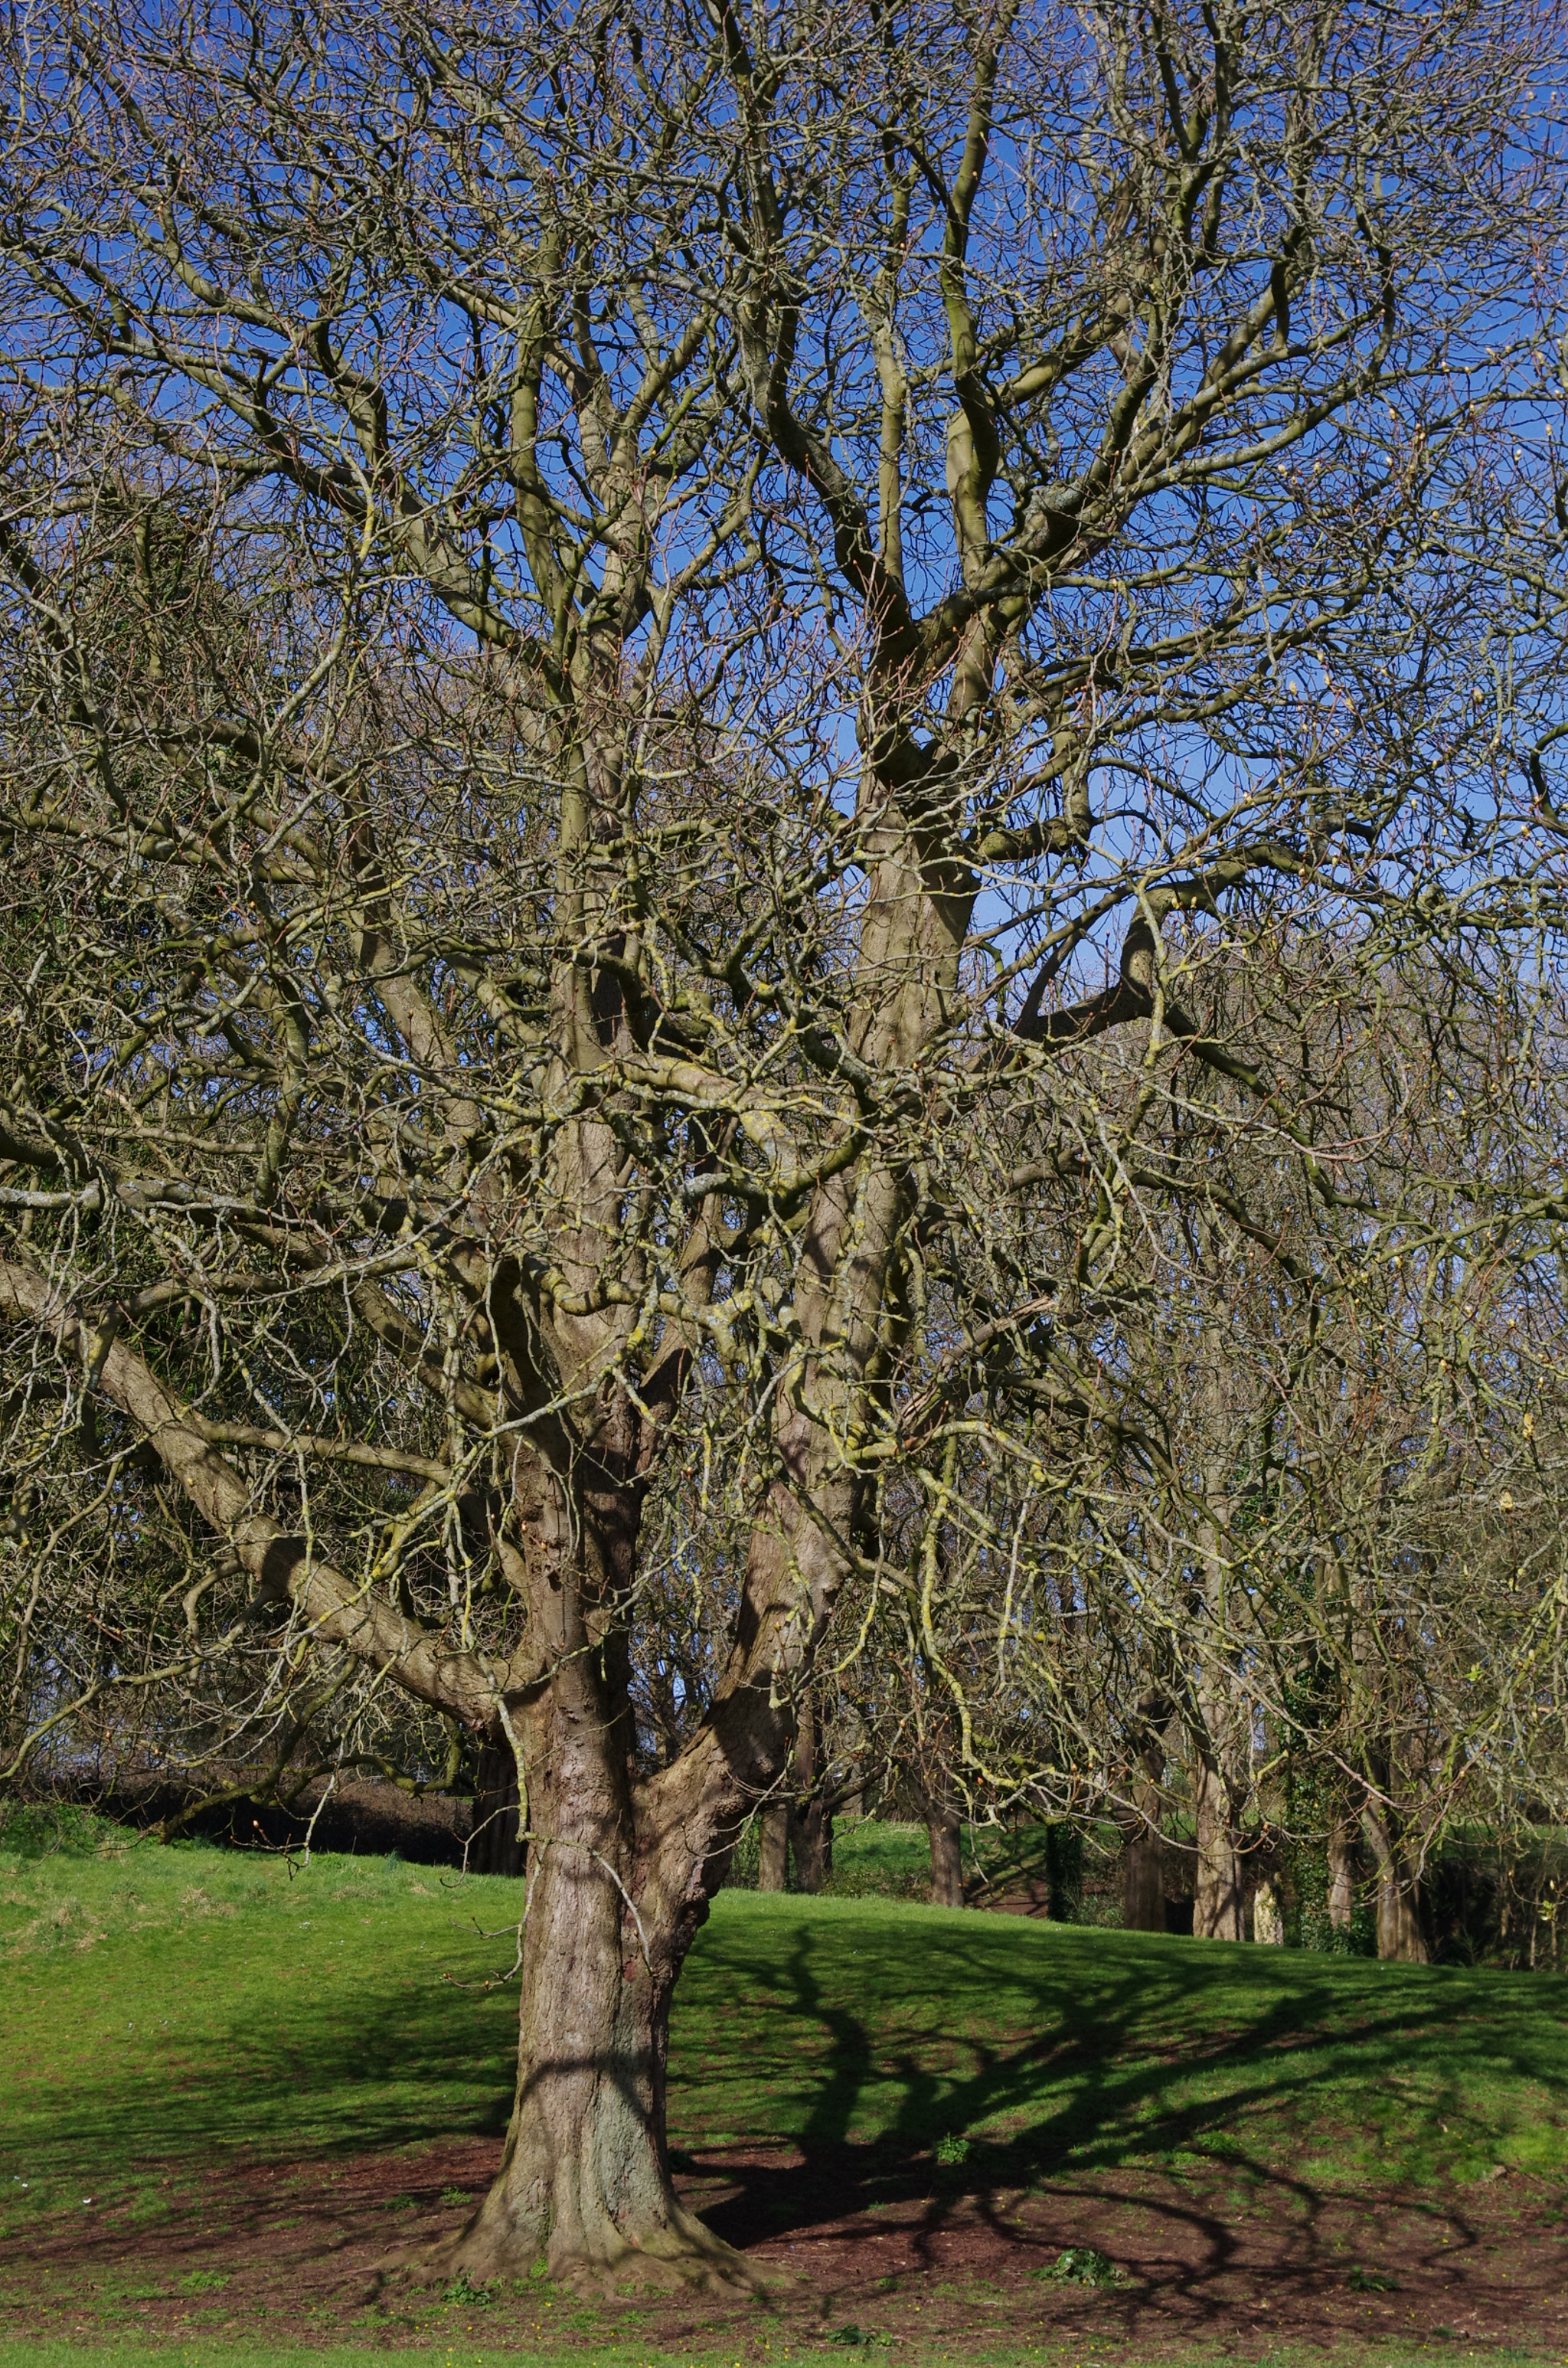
168	2009
854	2023
876	1855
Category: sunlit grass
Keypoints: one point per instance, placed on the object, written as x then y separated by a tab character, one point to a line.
170	2010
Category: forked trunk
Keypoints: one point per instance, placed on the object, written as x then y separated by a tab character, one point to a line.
584	2186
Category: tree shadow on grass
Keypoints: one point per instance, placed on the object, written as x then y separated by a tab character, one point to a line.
857	2041
1084	2061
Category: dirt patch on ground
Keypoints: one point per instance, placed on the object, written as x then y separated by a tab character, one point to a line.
906	2252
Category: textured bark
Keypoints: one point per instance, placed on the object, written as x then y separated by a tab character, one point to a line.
583	2184
618	1890
1268	1923
773	1850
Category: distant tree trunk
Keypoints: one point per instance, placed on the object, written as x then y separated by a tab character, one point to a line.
945	1829
1221	1740
811	1825
1219	1898
497	1846
1144	1882
773	1845
1268	1923
1401	1939
1341	1885
1143	1874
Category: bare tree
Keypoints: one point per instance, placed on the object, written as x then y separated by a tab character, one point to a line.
609	617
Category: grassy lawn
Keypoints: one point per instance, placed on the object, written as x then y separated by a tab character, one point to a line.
172	2012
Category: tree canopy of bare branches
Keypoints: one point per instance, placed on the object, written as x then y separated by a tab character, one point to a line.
719	727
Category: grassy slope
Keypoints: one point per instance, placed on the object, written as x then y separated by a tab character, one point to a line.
162	2006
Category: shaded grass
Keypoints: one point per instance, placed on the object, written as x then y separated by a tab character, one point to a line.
1053	2048
168	2009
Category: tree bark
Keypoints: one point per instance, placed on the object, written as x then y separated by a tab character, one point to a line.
772	1847
1220	1741
1144	1882
619	1889
583	2184
1268	1923
1218	1900
1401	1937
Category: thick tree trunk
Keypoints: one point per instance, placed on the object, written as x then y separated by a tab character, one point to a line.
583	2185
1143	1882
618	1884
773	1845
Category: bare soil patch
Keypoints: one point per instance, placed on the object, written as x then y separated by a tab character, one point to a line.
904	2251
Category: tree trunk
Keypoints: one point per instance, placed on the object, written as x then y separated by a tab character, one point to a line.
1268	1923
1219	1902
583	2184
1143	1872
773	1845
1143	1882
1401	1939
618	1885
1341	1885
811	1824
497	1846
945	1829
1221	1740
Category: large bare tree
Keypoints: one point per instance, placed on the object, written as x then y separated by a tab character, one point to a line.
623	628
